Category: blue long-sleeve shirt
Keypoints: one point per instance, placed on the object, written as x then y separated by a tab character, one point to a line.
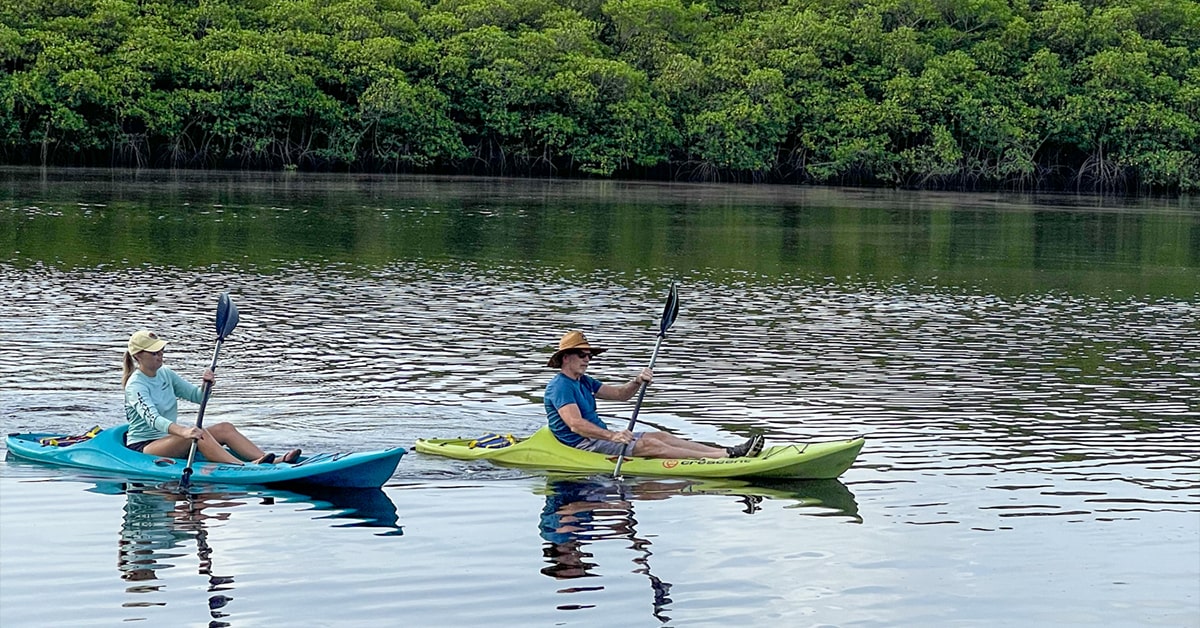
150	403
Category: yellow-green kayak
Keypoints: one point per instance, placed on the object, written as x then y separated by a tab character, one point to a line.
798	461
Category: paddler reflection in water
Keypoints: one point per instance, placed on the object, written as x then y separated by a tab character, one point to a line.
148	533
579	513
157	521
571	409
151	391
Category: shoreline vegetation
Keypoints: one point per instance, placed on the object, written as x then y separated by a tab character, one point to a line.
1098	96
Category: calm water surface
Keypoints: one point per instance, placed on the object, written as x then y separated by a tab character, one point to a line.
1026	370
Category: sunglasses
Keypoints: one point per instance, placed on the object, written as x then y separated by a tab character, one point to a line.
587	355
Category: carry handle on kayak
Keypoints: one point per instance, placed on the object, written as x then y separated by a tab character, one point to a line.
227	319
670	313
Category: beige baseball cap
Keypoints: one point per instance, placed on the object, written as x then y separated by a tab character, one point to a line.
145	340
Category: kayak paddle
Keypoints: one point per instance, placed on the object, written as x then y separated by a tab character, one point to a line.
670	313
227	319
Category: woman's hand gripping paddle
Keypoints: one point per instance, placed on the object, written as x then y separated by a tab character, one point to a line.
227	319
670	313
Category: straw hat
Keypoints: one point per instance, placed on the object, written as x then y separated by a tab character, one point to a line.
571	341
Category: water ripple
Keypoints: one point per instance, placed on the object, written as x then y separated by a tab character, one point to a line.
940	381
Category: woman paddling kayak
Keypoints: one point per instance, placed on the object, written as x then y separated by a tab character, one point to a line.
151	407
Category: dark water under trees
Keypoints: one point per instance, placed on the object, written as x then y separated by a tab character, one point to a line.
1026	370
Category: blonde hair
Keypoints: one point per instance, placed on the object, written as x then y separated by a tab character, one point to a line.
128	368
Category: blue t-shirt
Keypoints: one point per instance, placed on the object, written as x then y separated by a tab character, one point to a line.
563	390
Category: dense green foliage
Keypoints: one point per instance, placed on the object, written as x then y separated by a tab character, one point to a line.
1096	95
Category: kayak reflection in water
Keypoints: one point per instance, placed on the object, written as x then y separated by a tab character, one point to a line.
579	513
570	402
151	391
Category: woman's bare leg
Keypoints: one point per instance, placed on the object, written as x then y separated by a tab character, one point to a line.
227	434
178	447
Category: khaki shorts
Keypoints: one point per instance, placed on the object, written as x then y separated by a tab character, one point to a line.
608	447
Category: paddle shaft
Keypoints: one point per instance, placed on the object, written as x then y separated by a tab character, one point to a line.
642	391
670	312
208	385
638	406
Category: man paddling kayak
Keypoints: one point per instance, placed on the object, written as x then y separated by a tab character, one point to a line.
570	402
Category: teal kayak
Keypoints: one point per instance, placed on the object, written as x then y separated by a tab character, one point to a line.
796	461
106	452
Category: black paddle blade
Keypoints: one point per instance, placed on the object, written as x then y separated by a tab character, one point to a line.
227	316
671	310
